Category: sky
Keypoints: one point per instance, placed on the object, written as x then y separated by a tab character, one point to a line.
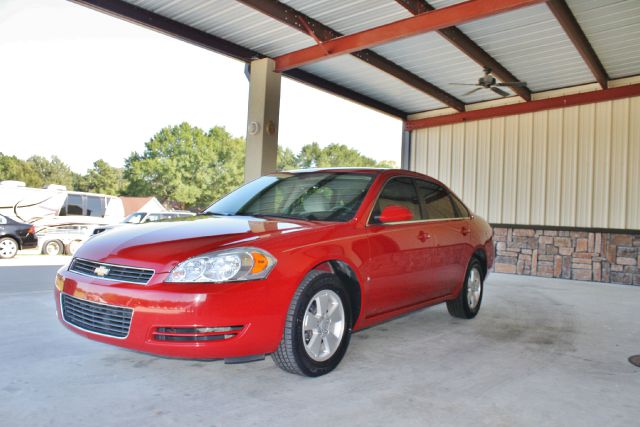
84	86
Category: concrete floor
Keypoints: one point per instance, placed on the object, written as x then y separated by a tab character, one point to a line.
540	353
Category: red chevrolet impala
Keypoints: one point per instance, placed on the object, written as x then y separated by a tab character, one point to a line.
288	265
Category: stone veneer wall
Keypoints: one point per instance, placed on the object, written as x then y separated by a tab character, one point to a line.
567	254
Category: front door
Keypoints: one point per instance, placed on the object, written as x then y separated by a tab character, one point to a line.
398	270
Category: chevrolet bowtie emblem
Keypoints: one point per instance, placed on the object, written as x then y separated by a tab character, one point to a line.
101	271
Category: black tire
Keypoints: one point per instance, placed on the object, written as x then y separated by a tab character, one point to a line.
291	354
50	245
72	247
8	247
463	306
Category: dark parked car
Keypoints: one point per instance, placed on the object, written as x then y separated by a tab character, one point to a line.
14	236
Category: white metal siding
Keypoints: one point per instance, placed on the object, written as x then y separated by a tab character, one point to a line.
572	167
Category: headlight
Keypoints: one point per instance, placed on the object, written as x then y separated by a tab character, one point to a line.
231	265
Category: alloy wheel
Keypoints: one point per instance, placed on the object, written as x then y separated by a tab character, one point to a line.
323	325
474	288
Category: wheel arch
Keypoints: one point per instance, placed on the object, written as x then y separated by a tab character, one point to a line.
347	274
481	256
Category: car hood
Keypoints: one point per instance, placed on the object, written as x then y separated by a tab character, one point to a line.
161	245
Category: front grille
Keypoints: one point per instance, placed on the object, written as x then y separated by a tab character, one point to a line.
197	334
119	273
94	317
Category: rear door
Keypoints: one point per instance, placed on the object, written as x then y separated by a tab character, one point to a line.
449	225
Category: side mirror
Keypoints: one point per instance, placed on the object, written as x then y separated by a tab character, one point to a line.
395	213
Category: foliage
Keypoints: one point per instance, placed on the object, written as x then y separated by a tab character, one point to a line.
186	167
53	171
36	171
287	159
14	169
102	178
333	155
183	166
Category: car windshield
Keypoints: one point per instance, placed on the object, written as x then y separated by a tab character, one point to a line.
322	196
134	218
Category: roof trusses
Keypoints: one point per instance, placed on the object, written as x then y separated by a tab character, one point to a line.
568	22
328	27
419	24
460	40
323	34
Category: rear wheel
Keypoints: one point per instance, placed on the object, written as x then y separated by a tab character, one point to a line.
317	328
53	247
73	247
467	304
8	248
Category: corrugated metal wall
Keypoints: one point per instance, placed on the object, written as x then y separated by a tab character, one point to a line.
572	167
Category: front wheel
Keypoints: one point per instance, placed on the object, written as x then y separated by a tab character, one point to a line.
318	327
467	304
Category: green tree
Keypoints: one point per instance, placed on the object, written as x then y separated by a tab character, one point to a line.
186	167
14	169
102	178
287	159
335	155
53	171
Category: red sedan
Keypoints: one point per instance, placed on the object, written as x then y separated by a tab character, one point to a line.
288	265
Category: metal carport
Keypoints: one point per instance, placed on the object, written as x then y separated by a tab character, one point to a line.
552	165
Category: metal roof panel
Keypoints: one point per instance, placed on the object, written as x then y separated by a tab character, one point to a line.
531	44
613	29
348	17
355	74
232	21
437	61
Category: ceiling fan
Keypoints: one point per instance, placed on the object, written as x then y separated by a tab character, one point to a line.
487	81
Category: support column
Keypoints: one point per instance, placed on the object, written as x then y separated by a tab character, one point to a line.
405	159
262	120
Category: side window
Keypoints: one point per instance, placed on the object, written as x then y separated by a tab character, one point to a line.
73	205
3	220
462	211
398	192
154	218
95	206
436	201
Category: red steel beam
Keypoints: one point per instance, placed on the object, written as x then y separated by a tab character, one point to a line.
419	24
570	25
527	107
321	33
467	46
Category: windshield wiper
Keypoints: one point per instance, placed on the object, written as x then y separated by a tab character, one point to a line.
274	215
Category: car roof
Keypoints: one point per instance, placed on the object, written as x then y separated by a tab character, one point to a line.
337	169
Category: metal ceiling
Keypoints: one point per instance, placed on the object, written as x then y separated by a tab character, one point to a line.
613	28
529	43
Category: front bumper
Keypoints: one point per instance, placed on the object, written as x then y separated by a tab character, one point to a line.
195	321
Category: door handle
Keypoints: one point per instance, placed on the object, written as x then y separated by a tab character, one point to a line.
465	230
423	237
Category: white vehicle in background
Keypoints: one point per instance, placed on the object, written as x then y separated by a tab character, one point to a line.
144	217
63	239
63	219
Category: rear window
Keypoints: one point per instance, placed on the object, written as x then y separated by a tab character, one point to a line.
436	201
